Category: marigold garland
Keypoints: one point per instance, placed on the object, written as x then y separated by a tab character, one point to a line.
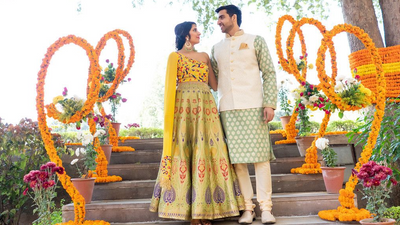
347	211
123	139
93	86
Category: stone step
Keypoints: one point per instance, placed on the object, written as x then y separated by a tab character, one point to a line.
280	220
137	210
149	171
281	183
154	155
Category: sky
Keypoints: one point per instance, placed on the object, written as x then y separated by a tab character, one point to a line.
29	27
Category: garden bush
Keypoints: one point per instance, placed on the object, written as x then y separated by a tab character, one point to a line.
142	132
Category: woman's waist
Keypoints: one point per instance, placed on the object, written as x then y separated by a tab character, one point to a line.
194	84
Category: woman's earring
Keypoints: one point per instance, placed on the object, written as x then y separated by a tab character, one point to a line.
188	45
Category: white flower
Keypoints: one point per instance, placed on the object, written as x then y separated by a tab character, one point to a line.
340	77
313	98
339	87
74	161
351	80
77	152
87	139
298	61
99	132
304	101
83	151
322	143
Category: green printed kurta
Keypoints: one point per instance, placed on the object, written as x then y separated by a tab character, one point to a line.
204	184
247	135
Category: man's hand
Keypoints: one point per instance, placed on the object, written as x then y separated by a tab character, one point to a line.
268	114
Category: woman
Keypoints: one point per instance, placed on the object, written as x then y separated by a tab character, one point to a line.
196	180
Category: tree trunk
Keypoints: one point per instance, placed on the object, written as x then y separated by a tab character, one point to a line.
391	21
361	13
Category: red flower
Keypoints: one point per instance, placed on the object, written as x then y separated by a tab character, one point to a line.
327	111
394	182
321	99
43	175
51	165
26	191
376	182
357	77
303	83
58	169
301	94
33	184
321	105
387	170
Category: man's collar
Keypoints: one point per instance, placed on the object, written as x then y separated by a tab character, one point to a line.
238	33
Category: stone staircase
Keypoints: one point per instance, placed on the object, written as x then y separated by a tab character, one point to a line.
296	198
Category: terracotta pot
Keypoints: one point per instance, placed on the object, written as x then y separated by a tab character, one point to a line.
385	222
107	149
285	120
303	143
85	187
116	127
333	178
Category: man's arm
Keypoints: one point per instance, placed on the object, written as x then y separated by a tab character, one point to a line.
270	90
214	64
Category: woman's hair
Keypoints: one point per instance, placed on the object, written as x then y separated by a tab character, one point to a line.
181	31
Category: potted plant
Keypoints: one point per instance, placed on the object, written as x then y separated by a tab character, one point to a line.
376	181
284	103
115	100
333	174
43	184
85	164
308	98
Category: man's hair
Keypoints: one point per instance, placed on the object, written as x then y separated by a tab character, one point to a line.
232	9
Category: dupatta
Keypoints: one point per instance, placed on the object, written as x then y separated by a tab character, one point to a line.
169	107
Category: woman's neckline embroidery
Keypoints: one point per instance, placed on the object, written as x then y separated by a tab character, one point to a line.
191	58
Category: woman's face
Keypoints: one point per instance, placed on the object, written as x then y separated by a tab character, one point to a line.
194	35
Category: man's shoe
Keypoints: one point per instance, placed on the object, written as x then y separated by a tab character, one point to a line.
247	217
267	217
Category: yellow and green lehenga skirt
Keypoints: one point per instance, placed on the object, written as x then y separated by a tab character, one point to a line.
204	184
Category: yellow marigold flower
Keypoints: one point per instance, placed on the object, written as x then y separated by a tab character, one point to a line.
57	99
310	66
289	102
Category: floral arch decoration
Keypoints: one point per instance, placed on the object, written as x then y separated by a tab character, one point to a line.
93	87
347	210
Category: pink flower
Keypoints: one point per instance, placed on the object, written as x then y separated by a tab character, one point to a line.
367	182
321	99
376	182
124	100
306	55
279	62
312	86
394	182
387	170
33	184
107	61
43	175
301	94
297	109
27	178
43	167
315	104
308	93
303	83
301	57
327	111
380	176
357	77
46	185
96	119
118	94
26	191
51	164
129	79
362	175
321	105
113	96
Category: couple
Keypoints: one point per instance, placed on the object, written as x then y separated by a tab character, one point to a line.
196	180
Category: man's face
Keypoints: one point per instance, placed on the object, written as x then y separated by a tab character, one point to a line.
225	21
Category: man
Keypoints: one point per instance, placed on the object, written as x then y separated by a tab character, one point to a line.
247	104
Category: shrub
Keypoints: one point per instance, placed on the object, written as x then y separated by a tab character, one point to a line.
343	125
142	132
275	125
21	150
393	213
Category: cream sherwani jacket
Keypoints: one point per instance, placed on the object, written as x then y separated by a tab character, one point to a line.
237	65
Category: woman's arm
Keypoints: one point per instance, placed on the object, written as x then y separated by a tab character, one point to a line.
212	81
